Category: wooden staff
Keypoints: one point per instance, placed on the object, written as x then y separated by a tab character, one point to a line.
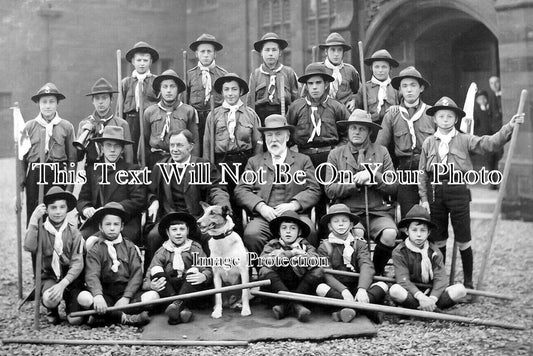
185	62
251	92
120	96
141	154
501	193
421	285
314	53
125	342
386	309
454	261
18	202
202	293
40	235
282	93
212	129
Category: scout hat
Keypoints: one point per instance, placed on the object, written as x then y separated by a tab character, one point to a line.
48	89
335	39
57	193
114	133
270	37
102	86
206	38
167	220
314	69
276	122
168	74
382	55
360	117
409	72
142	47
111	208
338	209
292	217
228	78
417	213
445	103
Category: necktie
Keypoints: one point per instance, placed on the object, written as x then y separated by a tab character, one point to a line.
58	244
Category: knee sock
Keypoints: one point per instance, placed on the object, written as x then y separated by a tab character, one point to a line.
443	251
468	266
382	255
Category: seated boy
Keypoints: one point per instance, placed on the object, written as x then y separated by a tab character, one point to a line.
62	246
113	270
173	270
417	261
347	253
289	243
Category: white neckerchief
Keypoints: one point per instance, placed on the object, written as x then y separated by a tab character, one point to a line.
112	252
382	91
166	126
138	88
348	249
206	79
272	73
232	118
335	85
411	122
315	119
296	244
279	159
444	147
49	126
58	244
177	262
425	264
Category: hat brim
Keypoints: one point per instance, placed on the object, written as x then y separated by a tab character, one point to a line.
396	81
344	46
220	82
153	53
371	125
100	213
326	218
156	85
258	46
305	230
102	139
167	219
36	97
304	78
432	110
405	222
69	197
218	46
290	128
102	92
393	62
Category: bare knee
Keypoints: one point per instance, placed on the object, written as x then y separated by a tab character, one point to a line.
388	237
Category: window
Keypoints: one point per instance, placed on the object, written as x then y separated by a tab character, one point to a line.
318	18
275	16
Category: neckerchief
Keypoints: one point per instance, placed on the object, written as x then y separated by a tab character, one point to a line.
49	126
359	151
315	118
177	262
100	121
139	87
168	111
112	252
296	244
272	73
410	122
58	244
425	264
206	79
335	85
232	118
444	147
382	91
348	249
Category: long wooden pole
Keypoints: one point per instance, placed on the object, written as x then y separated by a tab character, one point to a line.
142	152
386	309
282	94
40	235
120	96
18	205
212	128
501	193
314	53
185	60
421	285
251	93
202	293
454	262
125	342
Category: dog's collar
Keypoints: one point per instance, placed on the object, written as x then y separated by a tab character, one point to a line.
221	236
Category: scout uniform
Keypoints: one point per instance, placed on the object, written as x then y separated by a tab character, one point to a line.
405	128
133	87
95	124
200	81
264	82
59	136
160	120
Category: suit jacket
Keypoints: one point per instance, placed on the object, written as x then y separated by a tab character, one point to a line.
307	195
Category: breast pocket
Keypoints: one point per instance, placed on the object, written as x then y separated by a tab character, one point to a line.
244	132
459	157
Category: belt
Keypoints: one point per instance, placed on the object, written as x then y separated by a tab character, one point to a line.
314	150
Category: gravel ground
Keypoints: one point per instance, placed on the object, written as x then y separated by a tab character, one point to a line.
509	272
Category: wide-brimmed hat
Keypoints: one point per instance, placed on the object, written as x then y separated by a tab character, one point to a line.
360	117
102	86
417	213
206	38
46	90
111	208
315	69
276	122
114	133
229	77
57	193
409	72
165	222
292	217
445	103
270	37
142	47
168	74
335	39
382	55
338	209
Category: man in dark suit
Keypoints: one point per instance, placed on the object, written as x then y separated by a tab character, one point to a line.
103	186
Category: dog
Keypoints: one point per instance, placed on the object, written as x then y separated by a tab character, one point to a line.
225	245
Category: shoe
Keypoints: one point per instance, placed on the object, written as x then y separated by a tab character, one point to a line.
279	311
302	313
336	316
375	316
173	312
52	316
347	315
186	315
136	319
